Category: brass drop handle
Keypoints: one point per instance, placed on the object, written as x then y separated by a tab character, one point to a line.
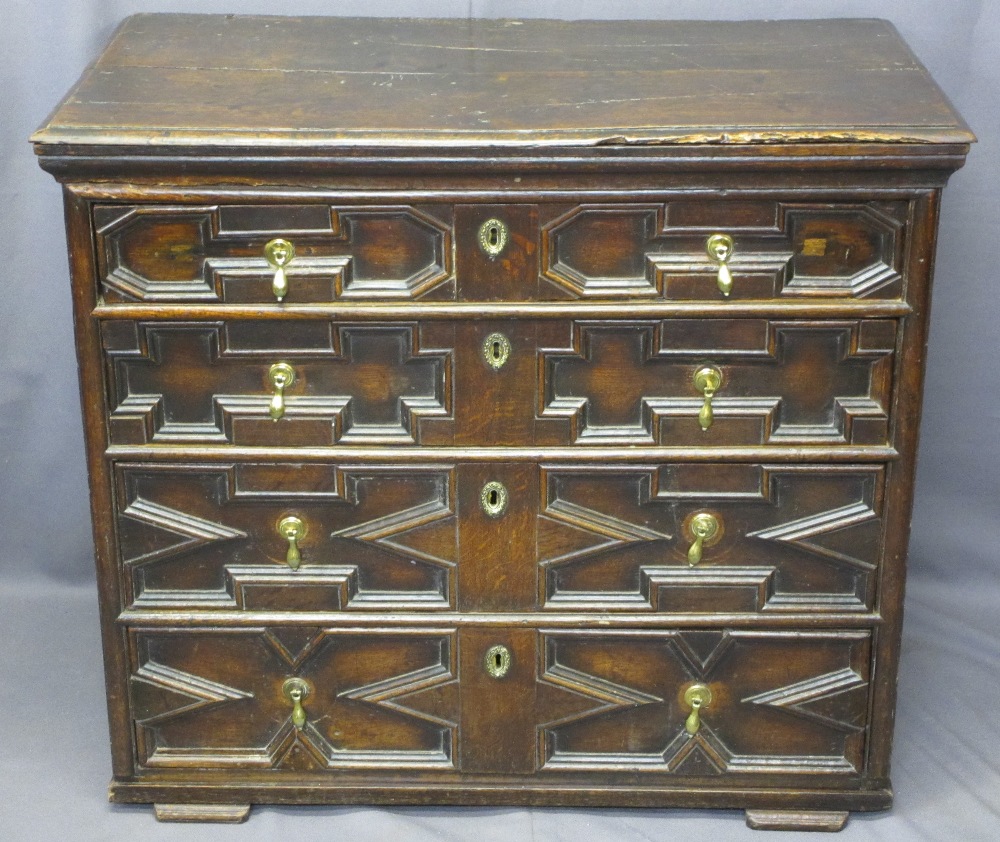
707	380
281	375
279	253
696	697
720	249
296	690
704	527
292	529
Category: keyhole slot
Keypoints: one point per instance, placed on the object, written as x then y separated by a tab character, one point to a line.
493	499
496	350
497	661
492	237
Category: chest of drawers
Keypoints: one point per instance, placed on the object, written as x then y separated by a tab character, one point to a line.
501	412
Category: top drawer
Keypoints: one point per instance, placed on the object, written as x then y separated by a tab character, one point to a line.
719	251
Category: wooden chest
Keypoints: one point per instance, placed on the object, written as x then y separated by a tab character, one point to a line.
502	412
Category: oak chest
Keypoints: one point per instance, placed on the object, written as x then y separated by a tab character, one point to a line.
502	412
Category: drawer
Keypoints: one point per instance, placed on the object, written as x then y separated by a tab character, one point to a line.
287	536
530	703
219	253
274	383
739	249
681	382
678	539
674	248
710	538
376	699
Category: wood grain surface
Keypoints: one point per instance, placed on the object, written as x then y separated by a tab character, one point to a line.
231	80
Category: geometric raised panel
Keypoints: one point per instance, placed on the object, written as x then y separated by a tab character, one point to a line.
380	699
784	703
781	249
793	538
783	382
208	383
199	536
215	253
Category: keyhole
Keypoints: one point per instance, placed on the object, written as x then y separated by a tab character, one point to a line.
496	350
492	237
493	499
497	661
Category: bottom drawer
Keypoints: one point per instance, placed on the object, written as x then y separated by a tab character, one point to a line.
485	700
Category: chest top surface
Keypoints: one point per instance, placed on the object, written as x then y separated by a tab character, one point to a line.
237	81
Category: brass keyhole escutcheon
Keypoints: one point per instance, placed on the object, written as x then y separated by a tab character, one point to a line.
707	380
720	249
497	661
496	350
278	254
492	237
493	499
296	690
293	530
704	527
281	375
696	697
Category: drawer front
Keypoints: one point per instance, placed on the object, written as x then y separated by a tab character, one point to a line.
217	253
777	250
721	382
710	538
502	383
500	536
217	382
773	250
512	701
779	703
220	699
287	537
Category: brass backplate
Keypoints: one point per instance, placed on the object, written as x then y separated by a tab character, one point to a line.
281	375
293	684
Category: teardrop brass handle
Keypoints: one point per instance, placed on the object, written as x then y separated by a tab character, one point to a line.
281	375
296	690
720	249
497	661
279	253
696	697
704	527
707	380
293	530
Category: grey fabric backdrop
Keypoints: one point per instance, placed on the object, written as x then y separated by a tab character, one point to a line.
53	739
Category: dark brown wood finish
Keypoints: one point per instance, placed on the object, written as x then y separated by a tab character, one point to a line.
493	597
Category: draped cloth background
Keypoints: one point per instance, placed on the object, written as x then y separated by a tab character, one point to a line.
54	760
